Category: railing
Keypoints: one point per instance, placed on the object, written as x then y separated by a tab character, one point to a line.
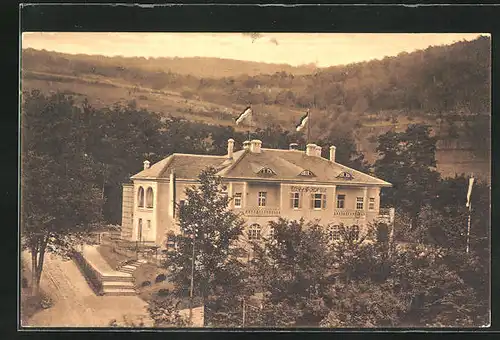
262	211
349	213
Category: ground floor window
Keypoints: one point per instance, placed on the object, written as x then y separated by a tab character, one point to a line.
334	233
254	232
355	232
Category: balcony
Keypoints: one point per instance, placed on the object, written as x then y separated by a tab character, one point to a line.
349	213
261	211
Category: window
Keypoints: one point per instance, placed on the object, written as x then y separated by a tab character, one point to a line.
295	200
149	198
307	173
266	171
139	229
140	197
237	200
272	232
254	232
262	198
318	201
355	232
340	201
333	233
149	224
359	203
371	203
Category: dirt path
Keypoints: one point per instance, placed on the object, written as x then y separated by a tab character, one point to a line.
75	303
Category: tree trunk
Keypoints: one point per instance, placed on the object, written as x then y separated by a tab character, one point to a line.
34	286
37	259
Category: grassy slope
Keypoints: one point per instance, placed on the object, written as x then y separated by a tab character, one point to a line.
103	91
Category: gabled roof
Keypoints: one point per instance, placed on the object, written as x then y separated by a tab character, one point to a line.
287	165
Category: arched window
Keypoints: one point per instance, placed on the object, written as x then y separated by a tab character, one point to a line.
140	197
149	198
254	232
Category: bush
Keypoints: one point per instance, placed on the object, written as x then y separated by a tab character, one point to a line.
146	283
163	292
160	278
46	302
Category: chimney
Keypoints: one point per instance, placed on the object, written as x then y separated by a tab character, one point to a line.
246	145
255	146
311	149
146	164
318	150
332	153
294	146
230	148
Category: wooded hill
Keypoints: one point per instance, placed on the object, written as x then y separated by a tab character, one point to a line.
445	86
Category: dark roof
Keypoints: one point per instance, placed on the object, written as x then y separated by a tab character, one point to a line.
286	164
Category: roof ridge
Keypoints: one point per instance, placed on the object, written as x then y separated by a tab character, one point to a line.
197	155
231	166
167	163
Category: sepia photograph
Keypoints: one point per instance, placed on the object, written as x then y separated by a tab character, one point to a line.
255	180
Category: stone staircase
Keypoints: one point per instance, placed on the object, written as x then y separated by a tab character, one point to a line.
113	282
122	281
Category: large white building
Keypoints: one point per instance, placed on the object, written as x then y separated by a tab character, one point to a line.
264	184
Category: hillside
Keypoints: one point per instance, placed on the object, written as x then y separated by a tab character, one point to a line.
445	86
200	67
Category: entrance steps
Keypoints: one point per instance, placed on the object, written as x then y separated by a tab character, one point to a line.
112	282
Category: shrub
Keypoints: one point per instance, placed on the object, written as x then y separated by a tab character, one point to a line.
46	302
163	292
24	283
160	278
146	283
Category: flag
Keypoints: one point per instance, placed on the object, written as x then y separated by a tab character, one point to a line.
303	121
471	181
246	113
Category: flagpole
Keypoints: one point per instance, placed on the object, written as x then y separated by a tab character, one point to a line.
468	230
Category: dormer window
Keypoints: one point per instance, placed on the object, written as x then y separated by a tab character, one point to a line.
307	173
266	171
345	175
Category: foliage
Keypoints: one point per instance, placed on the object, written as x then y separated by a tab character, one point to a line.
60	203
207	223
363	304
165	313
293	267
407	160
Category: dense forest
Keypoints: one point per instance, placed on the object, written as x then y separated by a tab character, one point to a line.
447	87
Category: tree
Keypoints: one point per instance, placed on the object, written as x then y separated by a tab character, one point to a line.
363	304
293	267
346	152
60	203
207	224
407	160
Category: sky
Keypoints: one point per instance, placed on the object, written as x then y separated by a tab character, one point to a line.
324	49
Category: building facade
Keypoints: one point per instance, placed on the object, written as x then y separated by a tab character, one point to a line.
264	184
